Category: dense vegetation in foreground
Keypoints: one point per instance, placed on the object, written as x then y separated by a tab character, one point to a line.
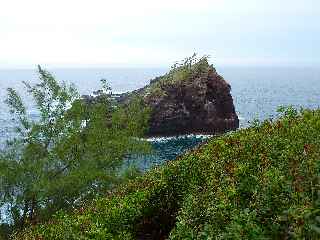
71	153
256	183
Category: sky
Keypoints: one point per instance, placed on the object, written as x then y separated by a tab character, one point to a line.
94	33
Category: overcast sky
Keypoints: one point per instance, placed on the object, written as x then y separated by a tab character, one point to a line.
64	33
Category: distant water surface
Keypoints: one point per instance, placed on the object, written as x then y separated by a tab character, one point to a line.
257	92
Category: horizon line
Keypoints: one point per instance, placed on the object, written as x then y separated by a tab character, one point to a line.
149	66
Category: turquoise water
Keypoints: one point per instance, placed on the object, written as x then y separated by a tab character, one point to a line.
165	149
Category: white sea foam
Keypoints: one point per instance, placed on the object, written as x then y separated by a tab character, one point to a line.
241	118
166	139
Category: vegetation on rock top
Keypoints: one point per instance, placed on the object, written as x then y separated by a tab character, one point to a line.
181	72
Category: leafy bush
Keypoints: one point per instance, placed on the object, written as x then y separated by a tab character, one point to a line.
256	183
71	153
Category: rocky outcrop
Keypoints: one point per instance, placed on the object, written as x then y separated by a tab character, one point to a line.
191	99
188	100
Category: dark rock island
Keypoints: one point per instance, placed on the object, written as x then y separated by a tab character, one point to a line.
191	99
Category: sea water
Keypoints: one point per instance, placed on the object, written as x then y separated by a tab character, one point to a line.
257	92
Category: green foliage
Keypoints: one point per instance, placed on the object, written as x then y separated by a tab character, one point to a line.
73	152
257	183
5	231
181	72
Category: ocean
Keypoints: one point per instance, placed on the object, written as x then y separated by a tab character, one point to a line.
257	92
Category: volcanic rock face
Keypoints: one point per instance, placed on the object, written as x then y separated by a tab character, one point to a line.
198	102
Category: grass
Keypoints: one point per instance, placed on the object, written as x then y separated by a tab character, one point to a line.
256	183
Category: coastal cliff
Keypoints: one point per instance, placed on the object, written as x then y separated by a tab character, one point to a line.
191	98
